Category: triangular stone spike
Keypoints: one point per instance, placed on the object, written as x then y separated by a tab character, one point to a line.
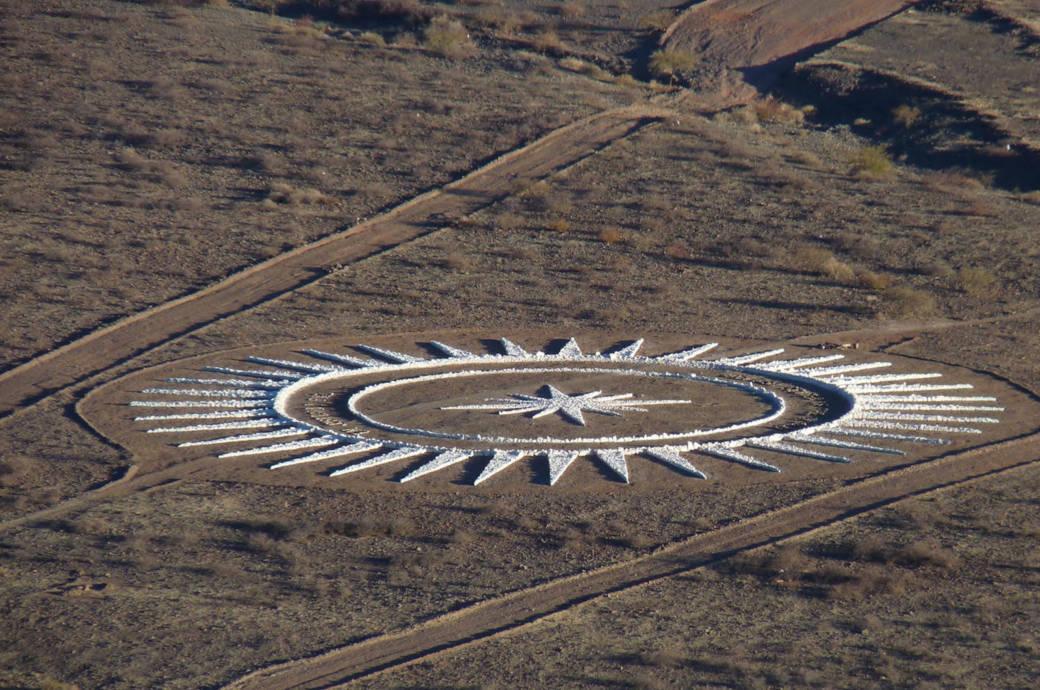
498	462
777	447
667	455
559	461
748	358
294	365
570	349
907	388
627	352
238	393
389	355
249	403
392	456
283	447
243	438
850	445
615	460
939	428
686	355
512	349
349	361
884	378
253	413
734	456
442	460
359	447
450	350
892	415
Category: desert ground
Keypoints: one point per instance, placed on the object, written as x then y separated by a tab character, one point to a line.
271	271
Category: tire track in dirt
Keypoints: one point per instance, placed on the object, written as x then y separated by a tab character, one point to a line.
43	376
501	615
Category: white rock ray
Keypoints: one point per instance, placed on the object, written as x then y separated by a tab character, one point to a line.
230	383
245	438
885	436
244	424
793	364
818	440
346	360
450	350
392	456
735	456
844	369
569	350
687	355
615	460
255	373
908	387
877	424
222	414
389	355
439	462
629	351
868	399
283	447
352	449
748	358
500	460
896	416
786	448
209	393
294	365
512	349
559	461
914	407
881	378
672	457
230	402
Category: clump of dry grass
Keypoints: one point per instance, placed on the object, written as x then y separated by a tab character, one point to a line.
871	163
449	38
372	39
658	20
872	280
572	9
559	225
976	281
287	195
677	251
948	181
822	262
773	110
670	63
903	301
906	116
611	235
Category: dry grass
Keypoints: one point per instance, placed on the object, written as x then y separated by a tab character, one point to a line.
773	110
284	194
671	63
903	302
822	262
611	235
448	38
658	20
871	163
976	281
906	116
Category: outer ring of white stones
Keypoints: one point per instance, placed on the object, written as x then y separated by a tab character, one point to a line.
879	410
776	404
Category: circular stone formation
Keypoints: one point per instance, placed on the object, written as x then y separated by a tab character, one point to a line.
511	404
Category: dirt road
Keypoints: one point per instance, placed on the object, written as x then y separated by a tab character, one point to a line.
755	36
490	618
107	347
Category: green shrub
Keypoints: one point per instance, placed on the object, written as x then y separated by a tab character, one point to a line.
449	38
670	63
872	162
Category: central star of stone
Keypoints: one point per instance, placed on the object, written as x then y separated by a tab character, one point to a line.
551	400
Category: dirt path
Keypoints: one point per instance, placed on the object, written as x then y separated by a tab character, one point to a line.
758	37
497	616
52	372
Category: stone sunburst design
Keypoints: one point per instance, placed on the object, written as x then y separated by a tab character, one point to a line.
569	406
246	411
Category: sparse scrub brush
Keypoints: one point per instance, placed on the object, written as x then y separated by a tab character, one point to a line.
671	63
976	281
872	162
906	116
902	302
449	38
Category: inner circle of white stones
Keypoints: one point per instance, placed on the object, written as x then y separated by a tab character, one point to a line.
775	402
